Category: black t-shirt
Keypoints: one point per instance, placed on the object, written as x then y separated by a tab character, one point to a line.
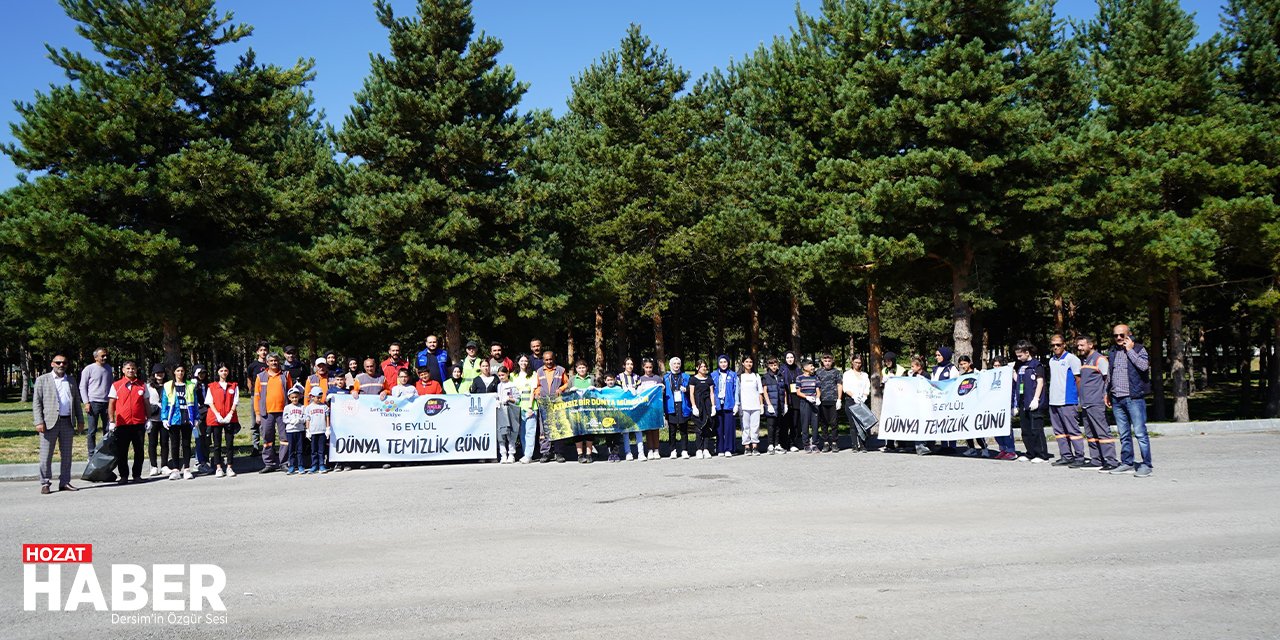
701	392
251	372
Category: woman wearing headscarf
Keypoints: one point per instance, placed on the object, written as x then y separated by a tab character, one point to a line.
789	424
675	398
725	381
945	370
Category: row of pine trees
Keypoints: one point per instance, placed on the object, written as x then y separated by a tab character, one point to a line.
889	175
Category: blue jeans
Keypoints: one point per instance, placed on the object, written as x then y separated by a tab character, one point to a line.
1131	420
529	435
295	438
1006	444
96	420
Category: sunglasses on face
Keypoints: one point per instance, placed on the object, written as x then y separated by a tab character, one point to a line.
59	363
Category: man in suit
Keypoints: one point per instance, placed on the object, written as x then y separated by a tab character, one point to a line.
57	412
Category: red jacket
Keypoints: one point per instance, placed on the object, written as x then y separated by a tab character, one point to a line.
390	370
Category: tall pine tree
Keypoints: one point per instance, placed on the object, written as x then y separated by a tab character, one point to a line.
432	231
159	180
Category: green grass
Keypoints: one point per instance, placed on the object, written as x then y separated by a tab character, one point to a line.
19	442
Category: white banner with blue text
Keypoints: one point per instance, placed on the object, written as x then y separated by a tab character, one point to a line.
426	428
973	405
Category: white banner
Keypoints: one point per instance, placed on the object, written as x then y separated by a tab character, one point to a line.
431	428
975	405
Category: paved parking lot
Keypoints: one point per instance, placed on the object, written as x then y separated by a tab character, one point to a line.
795	546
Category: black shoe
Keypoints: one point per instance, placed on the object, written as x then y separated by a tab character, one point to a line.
122	481
560	458
1061	462
588	459
545	459
269	468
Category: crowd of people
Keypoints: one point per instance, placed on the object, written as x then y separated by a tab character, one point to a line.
712	409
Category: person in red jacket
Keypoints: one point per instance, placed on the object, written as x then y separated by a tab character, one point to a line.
392	366
128	405
222	420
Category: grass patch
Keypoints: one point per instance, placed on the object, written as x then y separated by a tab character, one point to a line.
19	442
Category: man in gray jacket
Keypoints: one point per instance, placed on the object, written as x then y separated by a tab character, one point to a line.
56	412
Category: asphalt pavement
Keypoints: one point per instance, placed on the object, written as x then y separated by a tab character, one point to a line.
796	546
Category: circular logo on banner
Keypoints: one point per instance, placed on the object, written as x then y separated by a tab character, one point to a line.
434	405
966	385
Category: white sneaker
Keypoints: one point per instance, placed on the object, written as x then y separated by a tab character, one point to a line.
165	469
186	474
684	455
655	455
175	475
218	473
794	450
728	454
231	473
526	460
154	472
630	457
676	454
1038	460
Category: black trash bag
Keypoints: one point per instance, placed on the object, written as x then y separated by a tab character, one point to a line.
102	464
865	417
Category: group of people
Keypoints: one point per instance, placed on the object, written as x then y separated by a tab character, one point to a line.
797	402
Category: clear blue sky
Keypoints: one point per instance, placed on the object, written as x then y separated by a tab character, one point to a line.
546	42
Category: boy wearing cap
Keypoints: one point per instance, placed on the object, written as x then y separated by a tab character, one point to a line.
295	428
318	432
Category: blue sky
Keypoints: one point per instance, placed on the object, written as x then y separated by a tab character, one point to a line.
546	42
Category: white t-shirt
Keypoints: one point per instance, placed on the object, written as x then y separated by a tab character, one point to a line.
749	387
404	392
857	385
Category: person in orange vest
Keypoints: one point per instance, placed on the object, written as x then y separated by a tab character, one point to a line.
270	395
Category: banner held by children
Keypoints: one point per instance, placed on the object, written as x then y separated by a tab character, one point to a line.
975	405
604	411
426	428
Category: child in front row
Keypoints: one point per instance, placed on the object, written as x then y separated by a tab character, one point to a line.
806	386
508	416
318	432
295	428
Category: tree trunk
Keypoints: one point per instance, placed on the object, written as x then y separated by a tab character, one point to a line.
599	340
1155	313
569	349
753	322
875	346
1177	364
795	323
1191	367
621	348
26	367
719	346
659	341
961	311
986	348
171	342
1273	373
1059	314
1244	365
453	335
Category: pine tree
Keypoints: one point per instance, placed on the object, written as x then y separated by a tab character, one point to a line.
432	231
1252	242
613	166
1169	159
159	179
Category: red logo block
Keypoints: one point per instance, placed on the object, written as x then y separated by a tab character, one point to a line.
57	553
